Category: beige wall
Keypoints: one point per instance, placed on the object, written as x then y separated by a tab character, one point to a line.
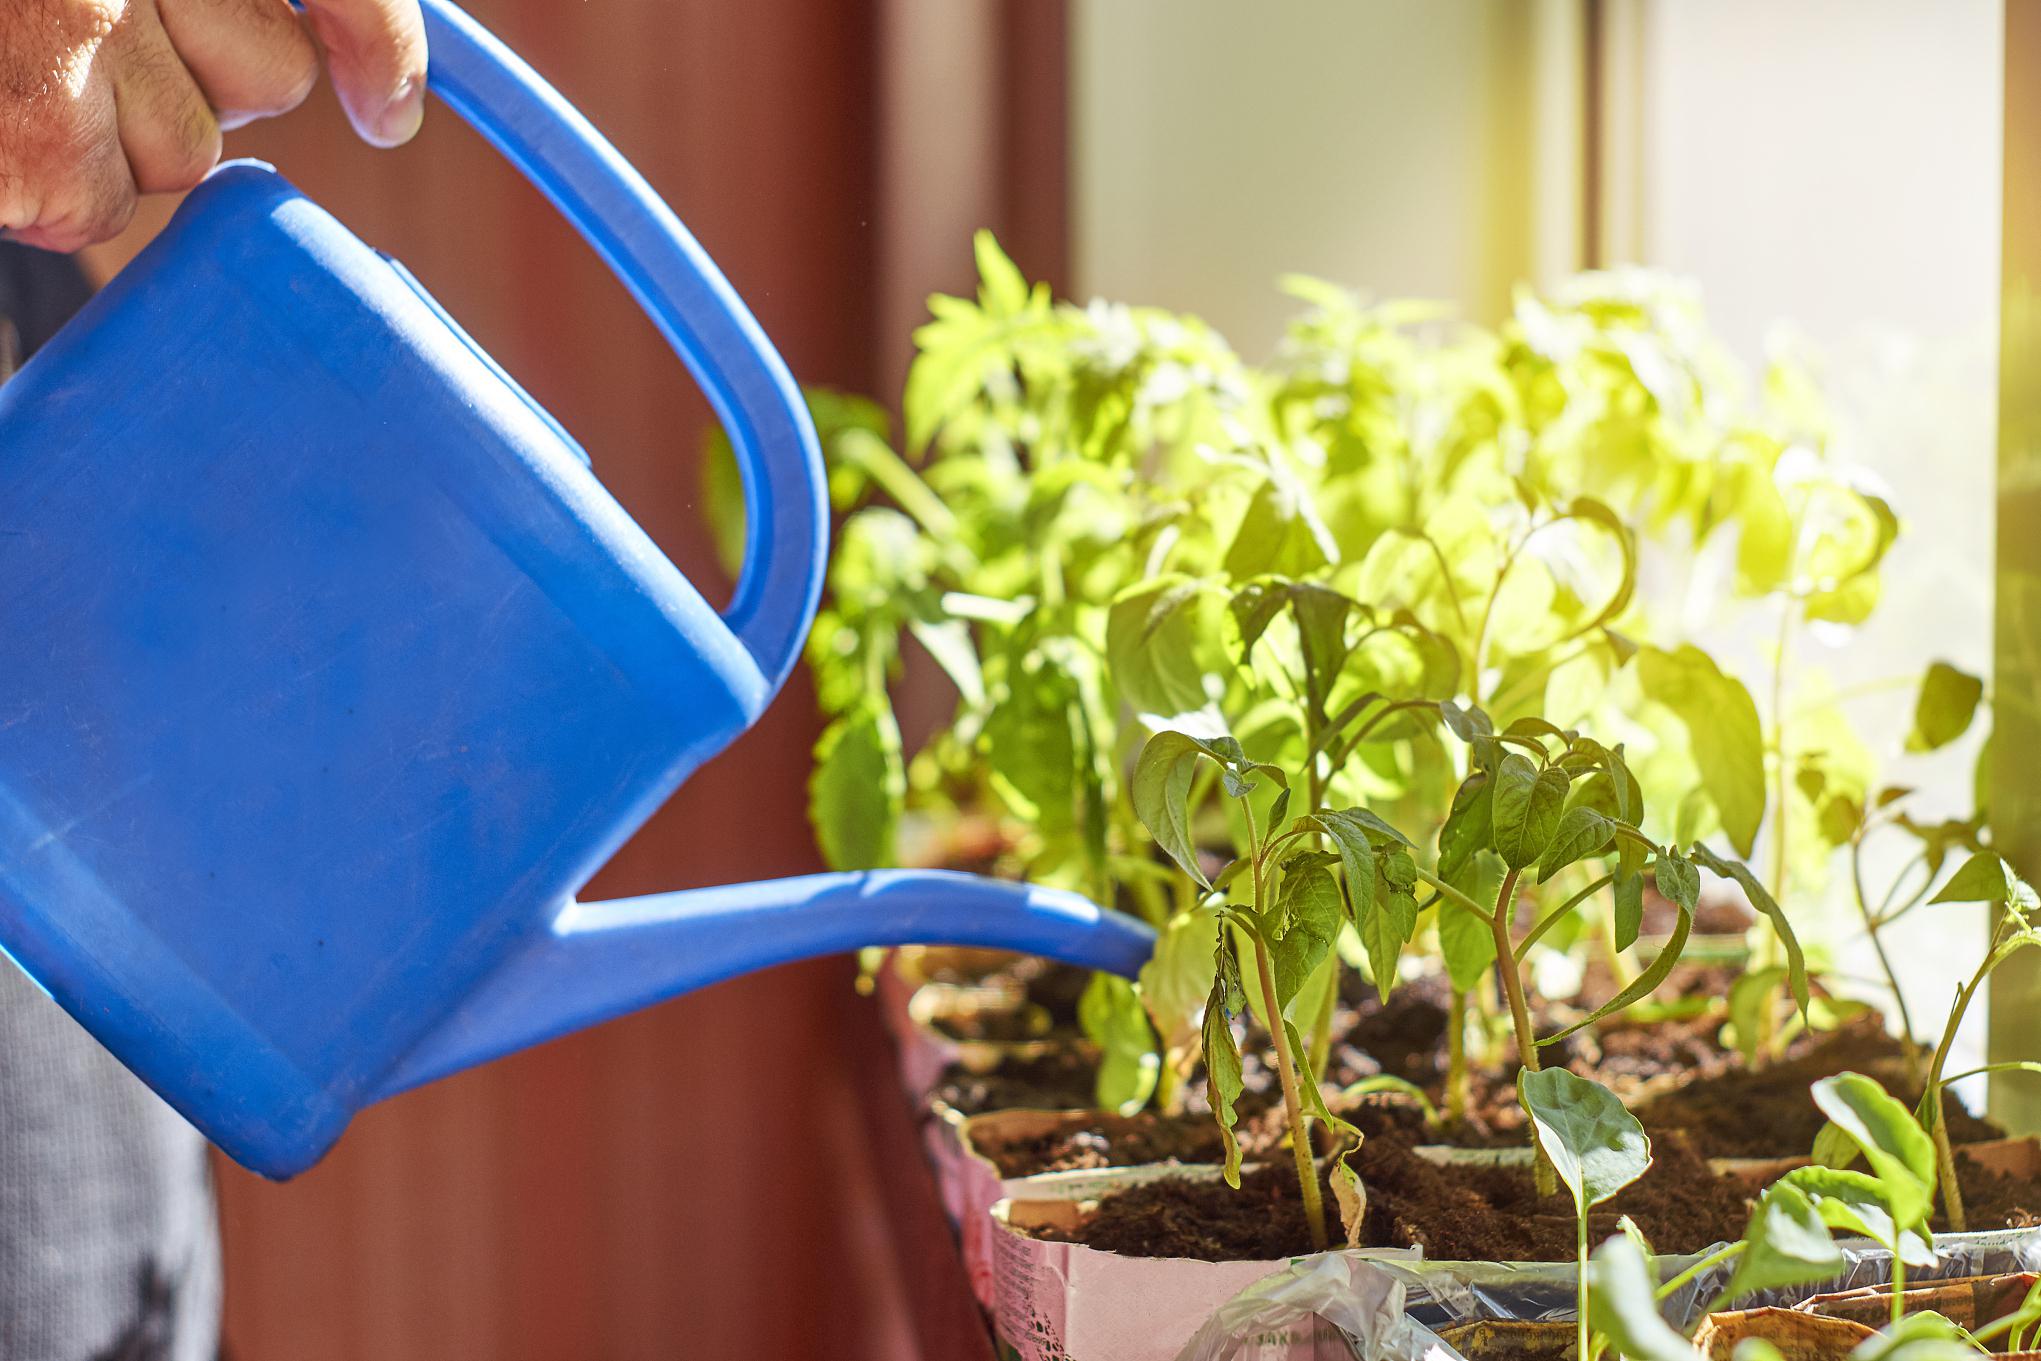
1397	146
1837	164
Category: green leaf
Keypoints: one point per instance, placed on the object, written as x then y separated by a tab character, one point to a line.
1312	911
1623	1305
1723	730
1527	804
1786	1243
1581	832
1945	707
1389	926
1749	997
1796	961
1985	878
1833	1148
948	641
1031	744
1224	1080
1153	652
1002	285
1111	1016
1854	1202
1161	795
1466	723
858	787
1395	1086
1899	1152
1677	879
1178	976
1642	986
1627	910
1368	825
1922	1336
1468	941
1596	1146
1467	827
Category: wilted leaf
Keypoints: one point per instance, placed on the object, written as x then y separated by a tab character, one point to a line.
1796	961
1224	1080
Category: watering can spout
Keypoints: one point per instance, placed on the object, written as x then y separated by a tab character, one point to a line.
604	959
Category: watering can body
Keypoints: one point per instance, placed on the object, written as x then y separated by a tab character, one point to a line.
329	671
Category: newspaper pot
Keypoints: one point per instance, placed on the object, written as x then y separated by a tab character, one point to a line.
1513	1340
982	1184
1061	1301
1971	1301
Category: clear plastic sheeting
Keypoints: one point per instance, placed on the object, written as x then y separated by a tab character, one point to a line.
1441	1294
1383	1306
1358	1303
1992	1252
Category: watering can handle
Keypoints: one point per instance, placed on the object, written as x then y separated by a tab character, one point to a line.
701	316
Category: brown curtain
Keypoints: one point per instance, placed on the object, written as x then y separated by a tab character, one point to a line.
694	1180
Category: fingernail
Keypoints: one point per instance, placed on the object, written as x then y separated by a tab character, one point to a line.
404	114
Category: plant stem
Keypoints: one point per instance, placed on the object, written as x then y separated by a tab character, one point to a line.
1456	1059
1520	1013
1557	914
1898	1283
1321	1029
1453	895
1293	1105
1711	1261
1580	1275
1767	1019
1931	1100
1907	1044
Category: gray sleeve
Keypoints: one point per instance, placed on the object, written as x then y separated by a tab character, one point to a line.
108	1245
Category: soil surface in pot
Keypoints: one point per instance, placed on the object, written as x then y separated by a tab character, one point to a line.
1153	1138
1027	999
1059	1080
1462	1213
1739	1112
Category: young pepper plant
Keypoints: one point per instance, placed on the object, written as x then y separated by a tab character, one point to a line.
1285	908
1596	1146
1988	879
1892	1203
1541	800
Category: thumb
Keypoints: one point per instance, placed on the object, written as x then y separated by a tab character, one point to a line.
375	52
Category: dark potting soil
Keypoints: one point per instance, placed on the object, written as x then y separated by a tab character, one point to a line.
1738	1112
1029	998
1152	1138
1453	1213
1467	1213
1993	1200
1059	1080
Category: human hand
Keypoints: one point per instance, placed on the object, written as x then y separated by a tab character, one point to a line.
101	100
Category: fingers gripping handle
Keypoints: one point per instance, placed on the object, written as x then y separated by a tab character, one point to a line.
684	293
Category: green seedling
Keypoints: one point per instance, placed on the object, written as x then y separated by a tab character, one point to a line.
1988	879
1891	1204
1620	1308
2021	1329
1785	1243
1595	1146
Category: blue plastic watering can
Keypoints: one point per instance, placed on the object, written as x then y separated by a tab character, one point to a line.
329	671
